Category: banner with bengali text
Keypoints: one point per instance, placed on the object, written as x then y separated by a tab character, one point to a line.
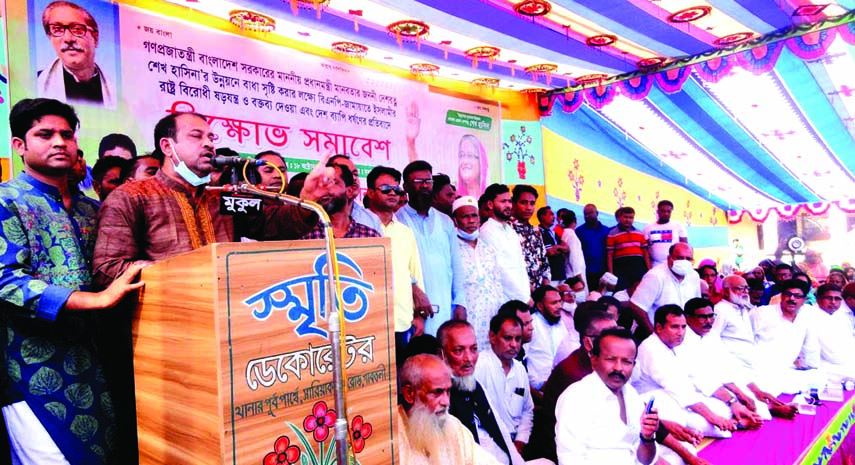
256	95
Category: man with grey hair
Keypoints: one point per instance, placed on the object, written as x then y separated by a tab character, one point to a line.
469	403
732	321
427	434
73	75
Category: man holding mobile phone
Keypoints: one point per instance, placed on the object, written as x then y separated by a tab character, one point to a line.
602	419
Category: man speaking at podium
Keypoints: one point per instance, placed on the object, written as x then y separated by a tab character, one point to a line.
172	213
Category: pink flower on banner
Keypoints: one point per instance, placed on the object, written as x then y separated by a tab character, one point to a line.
320	421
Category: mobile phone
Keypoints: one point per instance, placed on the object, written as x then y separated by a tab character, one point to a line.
649	408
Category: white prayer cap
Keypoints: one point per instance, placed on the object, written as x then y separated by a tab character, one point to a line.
464	201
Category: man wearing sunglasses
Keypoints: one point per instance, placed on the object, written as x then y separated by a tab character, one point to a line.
73	76
712	365
412	306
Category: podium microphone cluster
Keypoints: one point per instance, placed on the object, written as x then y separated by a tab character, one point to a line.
222	161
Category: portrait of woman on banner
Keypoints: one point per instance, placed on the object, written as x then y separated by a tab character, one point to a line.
472	169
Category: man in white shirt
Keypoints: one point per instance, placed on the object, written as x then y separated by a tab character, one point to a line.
504	379
601	419
427	434
733	321
783	332
672	282
712	365
481	277
849	300
546	349
499	233
664	233
836	342
436	238
665	374
575	259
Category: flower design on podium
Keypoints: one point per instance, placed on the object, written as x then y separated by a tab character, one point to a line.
517	146
577	180
318	424
359	432
283	453
320	421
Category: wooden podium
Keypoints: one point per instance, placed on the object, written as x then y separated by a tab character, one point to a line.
232	361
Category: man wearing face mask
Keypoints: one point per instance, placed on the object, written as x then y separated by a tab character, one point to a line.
481	277
171	213
572	294
672	282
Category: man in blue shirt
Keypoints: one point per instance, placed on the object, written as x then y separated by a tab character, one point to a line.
55	397
437	241
592	234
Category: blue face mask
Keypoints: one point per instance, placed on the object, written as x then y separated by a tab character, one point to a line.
186	174
467	236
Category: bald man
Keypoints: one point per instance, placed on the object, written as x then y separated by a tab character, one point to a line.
672	282
732	321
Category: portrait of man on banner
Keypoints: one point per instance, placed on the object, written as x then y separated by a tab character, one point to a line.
71	73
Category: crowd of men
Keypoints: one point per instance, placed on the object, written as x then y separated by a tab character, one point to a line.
516	343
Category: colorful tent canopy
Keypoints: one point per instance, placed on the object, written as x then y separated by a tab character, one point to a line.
768	126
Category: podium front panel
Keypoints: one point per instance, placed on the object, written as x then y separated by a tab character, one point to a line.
277	390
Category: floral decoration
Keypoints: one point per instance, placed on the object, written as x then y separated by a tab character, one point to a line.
533	7
318	424
359	432
320	421
283	453
687	213
655	202
250	20
619	193
518	147
577	180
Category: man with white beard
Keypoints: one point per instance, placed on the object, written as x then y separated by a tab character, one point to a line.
427	434
468	402
732	321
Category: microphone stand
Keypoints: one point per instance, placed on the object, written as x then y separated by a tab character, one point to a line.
333	316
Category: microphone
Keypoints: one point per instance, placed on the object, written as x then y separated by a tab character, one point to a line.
220	161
